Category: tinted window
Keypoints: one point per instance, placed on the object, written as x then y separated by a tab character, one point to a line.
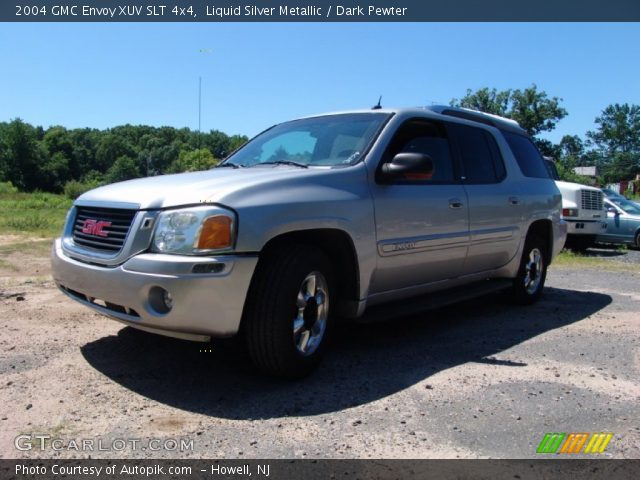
553	171
426	137
529	159
480	156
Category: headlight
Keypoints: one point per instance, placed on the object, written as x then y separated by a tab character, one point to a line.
569	212
194	231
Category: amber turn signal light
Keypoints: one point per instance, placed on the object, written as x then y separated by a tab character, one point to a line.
215	233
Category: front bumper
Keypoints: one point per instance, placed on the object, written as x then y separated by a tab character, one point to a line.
589	227
204	304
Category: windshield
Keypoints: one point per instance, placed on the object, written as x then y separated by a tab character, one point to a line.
320	141
629	207
610	193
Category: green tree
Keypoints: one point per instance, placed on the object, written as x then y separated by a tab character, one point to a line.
110	148
485	100
35	158
616	142
618	129
194	160
533	109
54	173
124	168
21	155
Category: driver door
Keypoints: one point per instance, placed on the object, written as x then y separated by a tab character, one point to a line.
422	221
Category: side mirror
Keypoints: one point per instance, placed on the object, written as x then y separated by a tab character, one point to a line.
613	210
409	163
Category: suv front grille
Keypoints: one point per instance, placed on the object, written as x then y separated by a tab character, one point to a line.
591	200
102	229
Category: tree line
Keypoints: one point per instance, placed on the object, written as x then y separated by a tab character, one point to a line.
74	160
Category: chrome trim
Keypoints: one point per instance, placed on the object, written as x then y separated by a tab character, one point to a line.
115	204
167	264
400	246
136	241
493	234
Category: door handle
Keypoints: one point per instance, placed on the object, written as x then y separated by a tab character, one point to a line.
514	200
455	203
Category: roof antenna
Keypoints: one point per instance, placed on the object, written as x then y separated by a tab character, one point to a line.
377	106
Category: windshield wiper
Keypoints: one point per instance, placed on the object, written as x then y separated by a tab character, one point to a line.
284	162
229	164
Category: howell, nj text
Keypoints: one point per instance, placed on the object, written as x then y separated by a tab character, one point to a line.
244	470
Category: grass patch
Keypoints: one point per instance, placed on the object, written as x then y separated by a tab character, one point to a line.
577	260
34	214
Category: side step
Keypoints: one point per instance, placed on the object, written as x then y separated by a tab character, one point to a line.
431	301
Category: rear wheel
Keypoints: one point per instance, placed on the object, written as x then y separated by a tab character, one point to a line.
637	240
287	316
527	286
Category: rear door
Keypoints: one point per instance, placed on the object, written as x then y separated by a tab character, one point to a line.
495	208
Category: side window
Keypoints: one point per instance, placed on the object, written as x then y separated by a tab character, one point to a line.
529	159
479	154
430	138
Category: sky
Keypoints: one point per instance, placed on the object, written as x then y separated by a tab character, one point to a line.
253	75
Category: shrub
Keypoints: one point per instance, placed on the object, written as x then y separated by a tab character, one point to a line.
73	189
7	187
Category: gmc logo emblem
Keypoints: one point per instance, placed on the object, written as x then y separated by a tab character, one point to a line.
95	227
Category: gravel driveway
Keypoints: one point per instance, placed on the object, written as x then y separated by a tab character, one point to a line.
480	379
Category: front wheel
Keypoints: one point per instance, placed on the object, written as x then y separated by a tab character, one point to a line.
287	315
527	286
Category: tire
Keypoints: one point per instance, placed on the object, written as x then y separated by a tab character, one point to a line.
529	283
287	318
637	240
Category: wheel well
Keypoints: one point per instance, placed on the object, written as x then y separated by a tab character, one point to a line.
543	229
337	244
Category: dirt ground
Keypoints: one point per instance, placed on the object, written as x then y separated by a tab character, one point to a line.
480	379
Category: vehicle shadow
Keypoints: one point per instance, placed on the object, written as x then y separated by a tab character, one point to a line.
364	363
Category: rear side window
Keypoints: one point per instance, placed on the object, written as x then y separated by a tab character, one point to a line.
479	154
529	159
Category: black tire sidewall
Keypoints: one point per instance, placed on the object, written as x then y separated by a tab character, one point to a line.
269	324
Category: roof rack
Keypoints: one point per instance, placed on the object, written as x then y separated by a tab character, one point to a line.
496	121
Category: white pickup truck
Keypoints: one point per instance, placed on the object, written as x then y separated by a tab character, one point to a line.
582	209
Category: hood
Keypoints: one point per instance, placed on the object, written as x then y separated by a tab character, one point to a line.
211	186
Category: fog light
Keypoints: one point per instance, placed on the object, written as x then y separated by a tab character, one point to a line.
168	300
160	300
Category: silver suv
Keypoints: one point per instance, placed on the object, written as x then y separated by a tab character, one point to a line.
314	220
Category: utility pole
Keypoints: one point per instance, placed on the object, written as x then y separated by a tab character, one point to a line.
199	109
